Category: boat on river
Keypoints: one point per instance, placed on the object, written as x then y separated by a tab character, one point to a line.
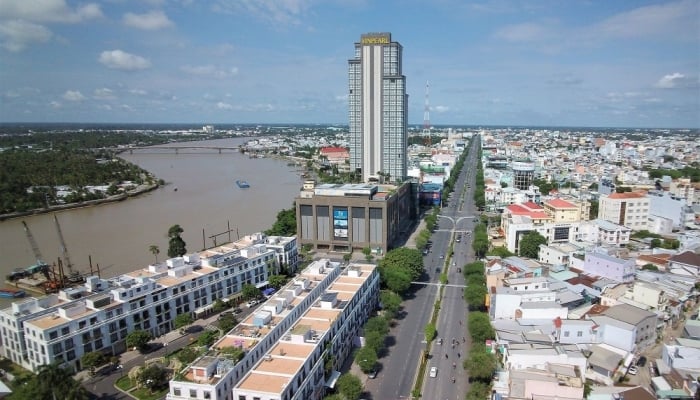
242	184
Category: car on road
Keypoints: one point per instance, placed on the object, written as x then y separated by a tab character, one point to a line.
442	256
632	370
433	372
252	303
642	361
372	373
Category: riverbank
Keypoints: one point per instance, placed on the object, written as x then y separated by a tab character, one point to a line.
141	189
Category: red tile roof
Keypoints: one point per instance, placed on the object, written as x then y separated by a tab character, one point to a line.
560	203
627	195
326	150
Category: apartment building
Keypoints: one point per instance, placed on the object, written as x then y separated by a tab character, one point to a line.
630	209
287	341
99	315
525	299
520	219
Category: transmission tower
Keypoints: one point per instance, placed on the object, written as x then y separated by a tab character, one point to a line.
426	116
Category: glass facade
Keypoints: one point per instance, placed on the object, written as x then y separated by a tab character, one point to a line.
377	109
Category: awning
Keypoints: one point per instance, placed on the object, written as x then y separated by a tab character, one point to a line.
333	379
262	284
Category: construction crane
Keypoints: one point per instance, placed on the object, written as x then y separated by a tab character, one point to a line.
73	276
40	265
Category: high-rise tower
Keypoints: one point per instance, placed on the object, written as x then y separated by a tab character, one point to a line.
378	109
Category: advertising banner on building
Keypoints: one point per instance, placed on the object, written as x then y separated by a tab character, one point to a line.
340	223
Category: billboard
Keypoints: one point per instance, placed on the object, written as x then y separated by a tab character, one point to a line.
340	223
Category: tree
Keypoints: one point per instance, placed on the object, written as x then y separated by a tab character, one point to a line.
155	251
139	339
285	224
391	303
187	355
377	324
250	292
475	296
277	281
481	364
474	268
500	251
50	382
480	327
176	246
375	340
227	322
153	377
655	242
349	386
366	358
183	320
207	338
92	360
406	258
530	244
650	267
396	280
479	390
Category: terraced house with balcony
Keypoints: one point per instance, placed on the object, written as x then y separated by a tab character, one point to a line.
293	345
99	315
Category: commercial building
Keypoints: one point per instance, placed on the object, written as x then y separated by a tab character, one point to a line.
99	315
288	340
378	109
630	209
339	217
523	174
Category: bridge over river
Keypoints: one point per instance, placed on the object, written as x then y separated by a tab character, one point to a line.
180	148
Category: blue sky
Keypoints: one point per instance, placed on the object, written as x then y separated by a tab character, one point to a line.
489	62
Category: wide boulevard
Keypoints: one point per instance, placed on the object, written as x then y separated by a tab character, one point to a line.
406	340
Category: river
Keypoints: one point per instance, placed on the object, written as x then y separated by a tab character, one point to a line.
118	235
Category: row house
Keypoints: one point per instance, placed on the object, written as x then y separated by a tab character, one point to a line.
295	367
99	315
604	233
600	264
524	299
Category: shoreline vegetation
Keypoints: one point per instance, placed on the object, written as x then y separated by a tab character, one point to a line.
141	189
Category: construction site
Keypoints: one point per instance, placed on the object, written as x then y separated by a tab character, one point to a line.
45	278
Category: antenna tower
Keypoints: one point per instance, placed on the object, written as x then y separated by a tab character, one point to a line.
426	115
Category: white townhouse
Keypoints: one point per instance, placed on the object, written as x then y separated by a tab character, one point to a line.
288	340
604	233
525	299
626	327
99	315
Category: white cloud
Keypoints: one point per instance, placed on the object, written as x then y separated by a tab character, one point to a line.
15	35
224	106
671	81
103	93
286	12
55	104
210	71
441	109
679	17
106	107
152	20
341	98
138	92
48	11
117	59
73	95
21	92
527	32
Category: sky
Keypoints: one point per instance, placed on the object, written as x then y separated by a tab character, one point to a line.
595	63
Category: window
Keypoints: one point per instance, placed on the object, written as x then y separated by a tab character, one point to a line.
176	391
207	394
566	334
579	333
193	392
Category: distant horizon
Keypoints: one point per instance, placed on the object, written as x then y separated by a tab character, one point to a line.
345	124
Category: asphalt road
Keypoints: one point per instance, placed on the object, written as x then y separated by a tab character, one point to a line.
406	340
459	217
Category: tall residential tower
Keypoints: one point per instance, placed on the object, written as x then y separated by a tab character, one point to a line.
378	108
